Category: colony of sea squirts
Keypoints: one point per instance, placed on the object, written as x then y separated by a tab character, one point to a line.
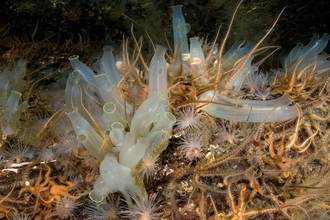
193	132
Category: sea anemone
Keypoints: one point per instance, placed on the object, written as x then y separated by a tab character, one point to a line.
144	209
19	153
48	154
20	217
64	127
108	210
263	93
191	146
67	143
255	81
188	118
66	206
225	133
148	166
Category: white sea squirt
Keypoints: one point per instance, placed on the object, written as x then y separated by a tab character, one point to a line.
180	30
276	110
